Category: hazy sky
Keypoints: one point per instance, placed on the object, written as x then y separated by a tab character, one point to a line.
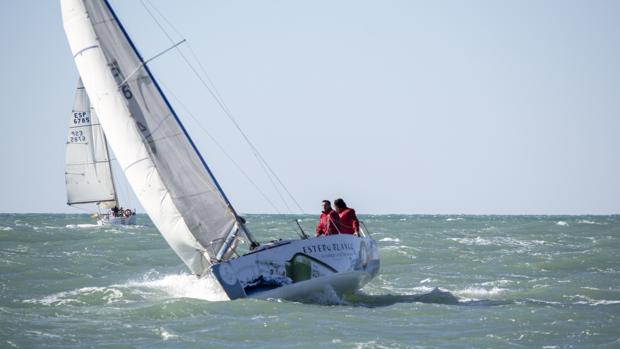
478	107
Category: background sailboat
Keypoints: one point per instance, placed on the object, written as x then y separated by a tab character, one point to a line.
88	171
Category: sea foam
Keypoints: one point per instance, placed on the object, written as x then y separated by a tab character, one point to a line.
183	286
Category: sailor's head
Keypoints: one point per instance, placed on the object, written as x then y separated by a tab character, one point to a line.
339	204
326	205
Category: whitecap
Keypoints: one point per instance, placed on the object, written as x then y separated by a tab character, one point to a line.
500	282
454	219
497	241
585	221
6	228
480	292
408	290
562	224
81	226
43	334
590	301
472	241
167	334
390	240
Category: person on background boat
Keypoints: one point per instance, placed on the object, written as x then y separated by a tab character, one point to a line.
114	211
348	222
328	221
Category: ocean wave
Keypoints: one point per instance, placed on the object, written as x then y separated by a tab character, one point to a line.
497	241
47	227
500	282
81	296
585	221
561	223
581	299
429	295
167	334
480	291
42	334
6	228
81	226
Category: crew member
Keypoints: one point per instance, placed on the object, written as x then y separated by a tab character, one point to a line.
328	221
348	222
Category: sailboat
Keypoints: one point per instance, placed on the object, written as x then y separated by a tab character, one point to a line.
88	169
177	188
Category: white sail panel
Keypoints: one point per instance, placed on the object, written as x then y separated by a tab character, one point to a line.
159	160
88	175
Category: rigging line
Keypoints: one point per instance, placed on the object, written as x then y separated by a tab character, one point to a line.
221	148
147	61
215	96
259	156
218	99
276	188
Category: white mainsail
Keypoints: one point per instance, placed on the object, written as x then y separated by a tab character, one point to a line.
88	175
166	172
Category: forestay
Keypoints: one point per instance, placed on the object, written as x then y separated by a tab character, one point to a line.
88	175
171	180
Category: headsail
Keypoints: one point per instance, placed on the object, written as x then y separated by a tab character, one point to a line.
88	175
166	172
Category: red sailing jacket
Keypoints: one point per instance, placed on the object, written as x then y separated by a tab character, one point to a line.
328	223
348	221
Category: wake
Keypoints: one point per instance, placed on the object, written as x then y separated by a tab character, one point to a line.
436	296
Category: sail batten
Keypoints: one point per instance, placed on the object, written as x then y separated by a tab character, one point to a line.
159	159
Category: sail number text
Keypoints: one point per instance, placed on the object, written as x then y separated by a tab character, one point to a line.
77	136
81	117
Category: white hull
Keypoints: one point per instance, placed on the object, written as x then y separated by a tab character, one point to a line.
297	269
107	220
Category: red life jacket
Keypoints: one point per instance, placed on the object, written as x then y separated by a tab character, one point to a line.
328	223
348	221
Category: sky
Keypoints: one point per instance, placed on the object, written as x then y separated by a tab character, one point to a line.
412	107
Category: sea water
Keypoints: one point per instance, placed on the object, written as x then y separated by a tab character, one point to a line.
445	282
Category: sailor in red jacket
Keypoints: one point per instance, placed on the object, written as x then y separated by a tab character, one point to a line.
348	223
328	222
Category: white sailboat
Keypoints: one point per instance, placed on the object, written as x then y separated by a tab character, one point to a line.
176	187
88	171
